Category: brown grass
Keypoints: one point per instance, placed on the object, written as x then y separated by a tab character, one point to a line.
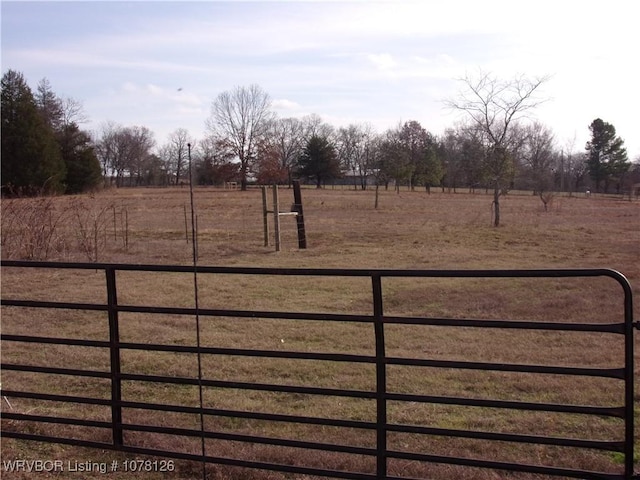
410	230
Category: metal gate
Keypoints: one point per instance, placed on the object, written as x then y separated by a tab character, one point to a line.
379	453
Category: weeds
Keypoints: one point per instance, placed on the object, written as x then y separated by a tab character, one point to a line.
547	199
46	227
90	221
31	228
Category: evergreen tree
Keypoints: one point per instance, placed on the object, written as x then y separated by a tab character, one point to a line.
81	162
429	170
606	156
394	161
82	165
424	166
31	159
49	105
319	160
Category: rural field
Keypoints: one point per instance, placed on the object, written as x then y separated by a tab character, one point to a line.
408	230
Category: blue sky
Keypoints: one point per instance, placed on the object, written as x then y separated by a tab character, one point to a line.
349	62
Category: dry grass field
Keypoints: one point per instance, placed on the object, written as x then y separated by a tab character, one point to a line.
410	230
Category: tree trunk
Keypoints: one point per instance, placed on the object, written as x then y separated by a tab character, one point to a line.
496	206
243	175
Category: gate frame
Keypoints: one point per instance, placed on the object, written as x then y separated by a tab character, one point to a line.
381	360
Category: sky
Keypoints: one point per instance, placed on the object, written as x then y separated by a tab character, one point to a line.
161	64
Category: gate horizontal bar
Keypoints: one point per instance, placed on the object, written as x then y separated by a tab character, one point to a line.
54	370
150	347
269	387
618	328
56	398
235	437
12	302
513	467
54	340
334	357
612	446
324	272
79	422
508	367
193	457
509	405
508	324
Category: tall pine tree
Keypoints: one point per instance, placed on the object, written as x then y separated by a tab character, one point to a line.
606	156
319	160
31	158
83	171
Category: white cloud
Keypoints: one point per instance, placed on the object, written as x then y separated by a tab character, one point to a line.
284	104
382	61
155	90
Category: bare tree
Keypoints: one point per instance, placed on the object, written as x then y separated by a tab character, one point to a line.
58	112
124	150
285	138
72	111
314	126
451	153
139	141
106	149
241	116
472	154
175	152
214	161
573	168
539	157
495	106
354	145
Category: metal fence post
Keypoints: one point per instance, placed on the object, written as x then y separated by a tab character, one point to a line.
114	354
381	380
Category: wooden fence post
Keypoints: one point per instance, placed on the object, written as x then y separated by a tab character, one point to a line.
276	217
297	200
265	219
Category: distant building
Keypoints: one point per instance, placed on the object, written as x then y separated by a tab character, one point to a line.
354	178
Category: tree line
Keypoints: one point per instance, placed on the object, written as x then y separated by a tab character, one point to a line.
43	148
495	147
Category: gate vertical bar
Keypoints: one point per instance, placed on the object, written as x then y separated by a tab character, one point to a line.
629	380
114	354
381	380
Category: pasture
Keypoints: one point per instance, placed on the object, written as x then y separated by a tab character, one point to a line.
410	230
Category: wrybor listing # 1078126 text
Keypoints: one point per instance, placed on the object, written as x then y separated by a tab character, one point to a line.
87	466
